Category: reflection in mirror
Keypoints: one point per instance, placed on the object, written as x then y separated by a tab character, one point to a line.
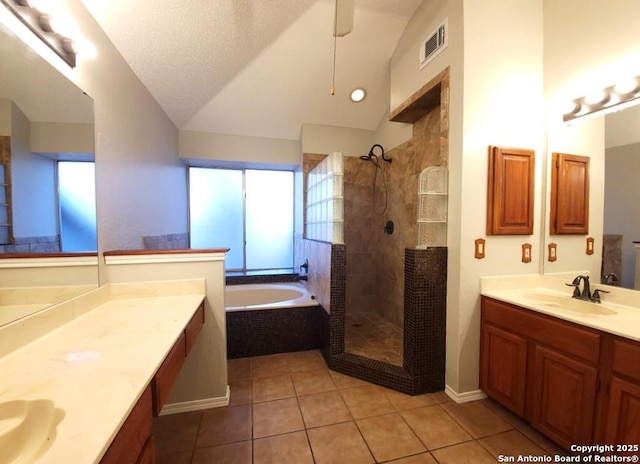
46	129
621	198
614	189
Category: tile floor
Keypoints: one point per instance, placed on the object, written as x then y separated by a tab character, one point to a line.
372	336
289	408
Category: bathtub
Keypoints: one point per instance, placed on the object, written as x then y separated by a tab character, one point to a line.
272	318
267	296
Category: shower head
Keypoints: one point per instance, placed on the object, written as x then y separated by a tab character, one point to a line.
373	157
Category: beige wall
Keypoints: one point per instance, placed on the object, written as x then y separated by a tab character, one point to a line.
205	147
495	99
318	138
203	379
141	183
50	137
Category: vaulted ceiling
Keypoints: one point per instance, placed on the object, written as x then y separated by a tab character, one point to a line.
257	67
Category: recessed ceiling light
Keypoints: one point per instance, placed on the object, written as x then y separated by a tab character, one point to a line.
357	95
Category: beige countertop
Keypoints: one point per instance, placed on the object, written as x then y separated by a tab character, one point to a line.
95	367
618	314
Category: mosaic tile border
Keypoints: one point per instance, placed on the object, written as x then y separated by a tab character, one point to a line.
262	332
425	330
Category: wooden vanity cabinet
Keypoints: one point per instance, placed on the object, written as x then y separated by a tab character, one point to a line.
503	370
622	422
541	368
132	441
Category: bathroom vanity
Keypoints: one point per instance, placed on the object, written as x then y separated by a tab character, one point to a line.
569	367
106	366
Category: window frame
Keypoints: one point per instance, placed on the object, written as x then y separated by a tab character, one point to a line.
244	169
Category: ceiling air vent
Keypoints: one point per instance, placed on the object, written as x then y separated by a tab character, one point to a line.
434	44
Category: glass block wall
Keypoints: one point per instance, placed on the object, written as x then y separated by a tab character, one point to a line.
324	211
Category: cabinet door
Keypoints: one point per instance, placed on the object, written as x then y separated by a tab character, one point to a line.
503	367
510	191
569	194
623	420
563	395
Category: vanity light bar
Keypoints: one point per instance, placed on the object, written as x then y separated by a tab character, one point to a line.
41	24
609	98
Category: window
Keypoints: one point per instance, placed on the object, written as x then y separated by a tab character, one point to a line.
77	197
249	211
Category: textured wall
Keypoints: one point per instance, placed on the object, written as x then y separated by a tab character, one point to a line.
375	260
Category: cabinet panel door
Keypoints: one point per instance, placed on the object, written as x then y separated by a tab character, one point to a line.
569	194
564	395
510	191
623	421
503	357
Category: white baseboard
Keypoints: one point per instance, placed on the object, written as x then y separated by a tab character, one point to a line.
464	397
197	405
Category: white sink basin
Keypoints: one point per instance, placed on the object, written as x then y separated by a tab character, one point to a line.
27	429
568	303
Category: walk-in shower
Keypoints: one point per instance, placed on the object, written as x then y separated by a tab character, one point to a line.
373	158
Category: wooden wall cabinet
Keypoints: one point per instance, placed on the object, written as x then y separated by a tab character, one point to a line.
569	195
574	384
510	191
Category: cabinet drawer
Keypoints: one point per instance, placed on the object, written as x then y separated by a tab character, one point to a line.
626	359
134	433
167	374
193	327
561	335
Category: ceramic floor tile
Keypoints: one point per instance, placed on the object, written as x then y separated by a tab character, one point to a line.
224	425
270	365
470	452
339	444
290	448
175	458
323	409
476	418
542	441
344	381
504	413
176	432
306	361
402	401
389	437
240	392
239	369
366	401
234	453
309	382
272	388
511	443
424	458
435	427
276	417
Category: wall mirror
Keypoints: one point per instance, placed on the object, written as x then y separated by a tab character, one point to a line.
46	132
617	192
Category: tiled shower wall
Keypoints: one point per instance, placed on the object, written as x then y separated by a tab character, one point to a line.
375	260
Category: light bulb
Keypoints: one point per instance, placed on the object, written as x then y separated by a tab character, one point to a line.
357	95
